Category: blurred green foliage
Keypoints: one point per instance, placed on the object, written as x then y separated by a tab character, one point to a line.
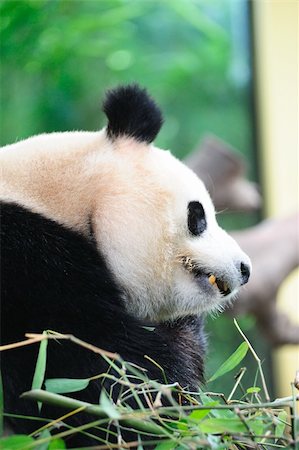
59	56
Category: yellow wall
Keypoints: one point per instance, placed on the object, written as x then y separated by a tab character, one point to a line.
276	58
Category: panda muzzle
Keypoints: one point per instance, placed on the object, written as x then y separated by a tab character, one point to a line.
222	285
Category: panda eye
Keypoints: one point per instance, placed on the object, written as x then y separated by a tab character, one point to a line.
196	218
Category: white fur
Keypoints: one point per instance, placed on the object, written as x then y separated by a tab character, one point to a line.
136	197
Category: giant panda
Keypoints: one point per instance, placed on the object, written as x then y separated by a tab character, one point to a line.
103	233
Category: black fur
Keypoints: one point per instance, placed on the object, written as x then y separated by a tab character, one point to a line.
132	112
197	222
53	278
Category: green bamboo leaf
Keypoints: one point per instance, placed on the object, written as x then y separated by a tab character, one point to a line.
168	445
44	435
108	407
215	426
57	444
222	413
17	442
199	414
66	385
206	401
231	362
253	390
181	425
51	443
257	426
40	368
280	427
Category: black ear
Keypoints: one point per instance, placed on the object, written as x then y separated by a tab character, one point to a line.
132	112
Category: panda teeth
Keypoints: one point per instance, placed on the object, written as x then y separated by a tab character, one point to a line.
221	285
212	279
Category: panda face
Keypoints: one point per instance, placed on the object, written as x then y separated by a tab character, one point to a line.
147	213
158	231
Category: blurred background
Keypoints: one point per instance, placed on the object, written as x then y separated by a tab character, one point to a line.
225	68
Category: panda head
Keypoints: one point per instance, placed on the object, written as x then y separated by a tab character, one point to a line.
149	215
158	230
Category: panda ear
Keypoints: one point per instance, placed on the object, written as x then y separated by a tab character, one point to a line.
132	112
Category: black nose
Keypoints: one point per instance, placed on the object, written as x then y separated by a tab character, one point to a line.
245	272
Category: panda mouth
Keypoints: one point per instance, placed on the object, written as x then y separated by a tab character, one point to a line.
221	285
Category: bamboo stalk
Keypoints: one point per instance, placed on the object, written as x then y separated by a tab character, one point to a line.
66	402
69	403
257	360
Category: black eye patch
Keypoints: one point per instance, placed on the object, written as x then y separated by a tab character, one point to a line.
196	218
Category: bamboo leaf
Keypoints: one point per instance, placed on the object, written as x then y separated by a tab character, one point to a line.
40	368
66	385
108	407
222	413
253	390
231	362
44	445
168	445
57	444
215	426
17	442
280	427
199	414
257	426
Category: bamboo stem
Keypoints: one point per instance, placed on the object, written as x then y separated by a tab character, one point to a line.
69	403
257	360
